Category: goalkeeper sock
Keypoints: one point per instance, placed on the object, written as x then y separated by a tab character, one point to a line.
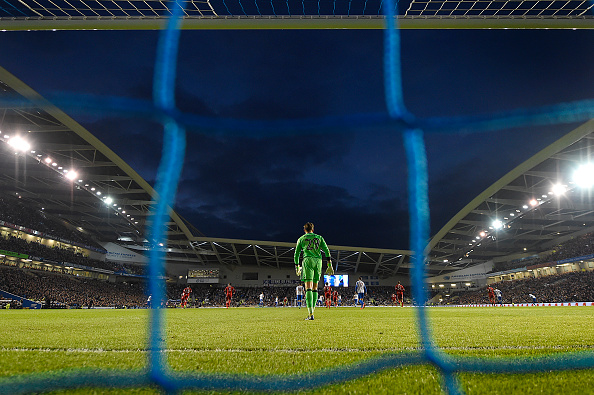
315	299
308	300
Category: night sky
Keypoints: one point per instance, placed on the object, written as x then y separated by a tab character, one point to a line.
351	184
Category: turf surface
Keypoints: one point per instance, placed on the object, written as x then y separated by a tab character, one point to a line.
270	341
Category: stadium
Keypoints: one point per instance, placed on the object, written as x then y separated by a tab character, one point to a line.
106	288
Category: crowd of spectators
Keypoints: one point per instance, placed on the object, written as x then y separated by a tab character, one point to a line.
576	247
60	290
16	213
10	304
558	288
62	255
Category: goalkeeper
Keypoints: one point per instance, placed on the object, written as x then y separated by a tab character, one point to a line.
312	245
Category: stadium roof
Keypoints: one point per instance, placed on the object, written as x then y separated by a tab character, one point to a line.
531	209
525	229
81	202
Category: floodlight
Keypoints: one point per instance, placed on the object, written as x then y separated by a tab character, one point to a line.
19	144
71	175
108	200
584	175
497	224
533	202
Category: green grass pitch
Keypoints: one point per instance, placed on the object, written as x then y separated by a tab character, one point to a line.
263	341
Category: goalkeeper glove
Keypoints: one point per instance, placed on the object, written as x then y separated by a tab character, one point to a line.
329	269
298	270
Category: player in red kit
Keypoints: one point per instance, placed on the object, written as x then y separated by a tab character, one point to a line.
491	293
335	298
394	299
328	295
400	293
229	291
185	295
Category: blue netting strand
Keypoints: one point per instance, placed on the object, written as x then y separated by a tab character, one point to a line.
392	71
176	381
80	378
226	7
12	7
242	9
579	111
167	180
418	202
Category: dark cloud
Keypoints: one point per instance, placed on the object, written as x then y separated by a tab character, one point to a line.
351	184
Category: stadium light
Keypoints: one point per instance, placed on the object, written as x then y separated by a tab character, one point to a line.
584	175
497	224
108	200
533	202
19	144
71	175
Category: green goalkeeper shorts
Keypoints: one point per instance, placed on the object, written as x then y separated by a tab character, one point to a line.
312	268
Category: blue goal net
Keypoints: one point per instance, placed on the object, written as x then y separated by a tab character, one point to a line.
412	129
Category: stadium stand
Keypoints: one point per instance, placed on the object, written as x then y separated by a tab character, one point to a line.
61	291
13	211
566	287
577	247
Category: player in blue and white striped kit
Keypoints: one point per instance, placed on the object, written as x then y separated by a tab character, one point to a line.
361	291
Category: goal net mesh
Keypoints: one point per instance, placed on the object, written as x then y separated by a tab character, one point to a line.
271	8
401	121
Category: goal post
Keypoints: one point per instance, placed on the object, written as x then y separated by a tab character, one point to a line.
295	14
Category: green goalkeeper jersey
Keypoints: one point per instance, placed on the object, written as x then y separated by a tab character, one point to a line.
312	245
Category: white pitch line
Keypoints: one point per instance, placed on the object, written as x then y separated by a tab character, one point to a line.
326	350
